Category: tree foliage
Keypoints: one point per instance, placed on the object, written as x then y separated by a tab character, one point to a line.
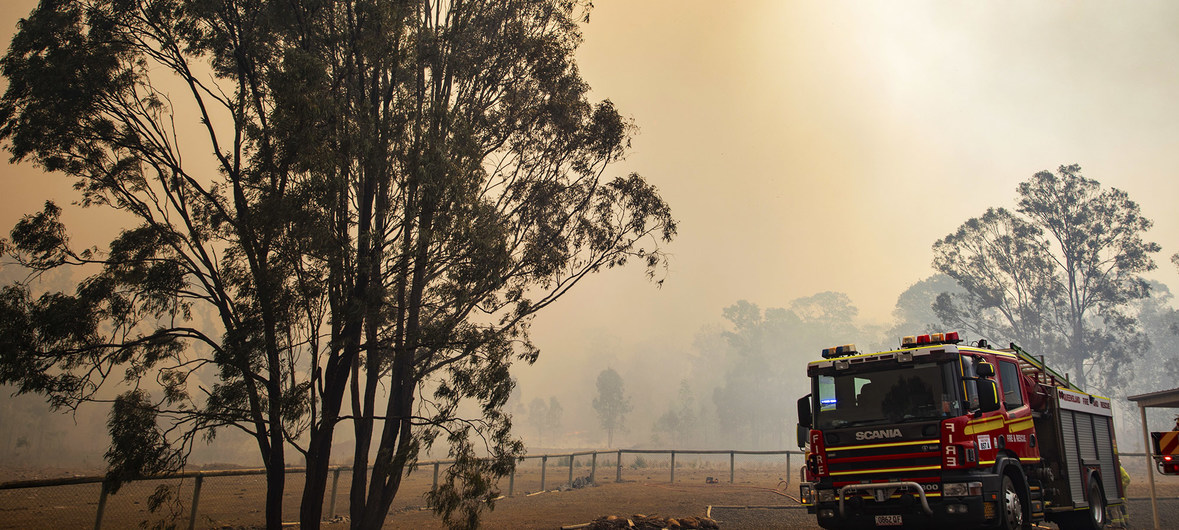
611	403
369	199
1059	278
914	310
755	398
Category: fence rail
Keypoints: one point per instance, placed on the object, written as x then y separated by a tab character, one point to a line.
200	476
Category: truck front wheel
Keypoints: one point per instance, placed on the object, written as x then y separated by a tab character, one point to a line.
1011	518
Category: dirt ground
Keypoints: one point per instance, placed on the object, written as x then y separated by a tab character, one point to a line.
235	502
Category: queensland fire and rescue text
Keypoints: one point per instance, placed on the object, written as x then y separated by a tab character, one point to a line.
939	433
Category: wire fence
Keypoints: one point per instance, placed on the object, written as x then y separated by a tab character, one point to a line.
236	497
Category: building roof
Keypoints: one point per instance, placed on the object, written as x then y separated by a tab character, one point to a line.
1162	398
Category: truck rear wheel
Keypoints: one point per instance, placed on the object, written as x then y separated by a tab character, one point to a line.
1096	515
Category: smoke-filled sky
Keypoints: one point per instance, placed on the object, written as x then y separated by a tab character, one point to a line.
812	146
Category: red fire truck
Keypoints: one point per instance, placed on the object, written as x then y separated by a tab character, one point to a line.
940	434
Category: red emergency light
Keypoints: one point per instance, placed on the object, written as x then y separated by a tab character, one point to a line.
913	341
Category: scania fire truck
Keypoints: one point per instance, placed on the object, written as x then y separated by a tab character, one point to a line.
941	434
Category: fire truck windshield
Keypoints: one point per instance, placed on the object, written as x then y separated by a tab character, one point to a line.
906	393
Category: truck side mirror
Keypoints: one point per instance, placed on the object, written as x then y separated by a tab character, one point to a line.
985	369
988	395
805	420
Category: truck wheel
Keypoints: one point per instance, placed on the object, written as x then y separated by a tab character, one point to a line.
1011	516
1096	515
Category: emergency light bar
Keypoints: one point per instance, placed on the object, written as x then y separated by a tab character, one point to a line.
839	351
913	341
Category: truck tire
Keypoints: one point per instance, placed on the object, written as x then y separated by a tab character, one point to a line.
1095	518
1092	518
1011	513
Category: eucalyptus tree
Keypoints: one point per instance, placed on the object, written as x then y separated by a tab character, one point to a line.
1058	278
371	198
612	404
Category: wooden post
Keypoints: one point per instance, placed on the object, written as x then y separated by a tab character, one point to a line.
335	481
619	477
435	486
571	471
732	465
1149	450
544	464
512	482
196	499
594	468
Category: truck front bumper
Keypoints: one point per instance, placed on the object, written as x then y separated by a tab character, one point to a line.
896	504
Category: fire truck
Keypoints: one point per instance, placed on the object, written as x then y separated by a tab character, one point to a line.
941	434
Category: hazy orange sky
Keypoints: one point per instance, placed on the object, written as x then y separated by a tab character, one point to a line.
808	146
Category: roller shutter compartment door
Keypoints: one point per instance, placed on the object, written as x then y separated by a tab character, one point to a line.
1110	474
1072	457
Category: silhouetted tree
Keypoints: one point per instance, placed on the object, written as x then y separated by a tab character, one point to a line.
1058	279
681	419
545	416
389	192
914	310
611	404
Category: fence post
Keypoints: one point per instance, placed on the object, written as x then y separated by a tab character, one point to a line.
619	477
544	464
335	480
512	482
673	467
732	465
196	499
594	468
435	486
787	470
571	457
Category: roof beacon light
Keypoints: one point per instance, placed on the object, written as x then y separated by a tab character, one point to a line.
913	341
839	351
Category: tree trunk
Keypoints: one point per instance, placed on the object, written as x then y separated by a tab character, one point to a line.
275	483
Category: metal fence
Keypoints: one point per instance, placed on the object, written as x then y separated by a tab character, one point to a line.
175	498
77	502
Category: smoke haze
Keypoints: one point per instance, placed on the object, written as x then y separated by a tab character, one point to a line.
805	148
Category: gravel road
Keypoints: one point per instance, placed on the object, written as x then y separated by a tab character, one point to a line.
795	517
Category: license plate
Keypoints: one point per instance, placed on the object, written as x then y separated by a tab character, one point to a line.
888	520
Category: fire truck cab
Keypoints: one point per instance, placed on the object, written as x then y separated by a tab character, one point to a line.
938	434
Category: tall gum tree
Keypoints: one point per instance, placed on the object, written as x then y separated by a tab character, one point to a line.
391	190
1059	278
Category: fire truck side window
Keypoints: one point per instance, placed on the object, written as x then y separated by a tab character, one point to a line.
1009	379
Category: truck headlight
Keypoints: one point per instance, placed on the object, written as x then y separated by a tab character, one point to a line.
806	492
961	489
826	495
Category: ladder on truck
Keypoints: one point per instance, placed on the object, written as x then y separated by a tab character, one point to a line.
1039	372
